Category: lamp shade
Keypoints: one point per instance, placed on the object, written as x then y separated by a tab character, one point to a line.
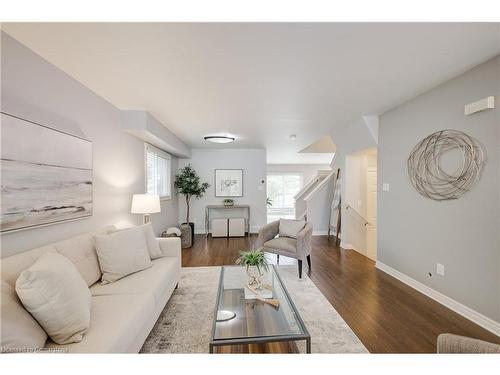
145	204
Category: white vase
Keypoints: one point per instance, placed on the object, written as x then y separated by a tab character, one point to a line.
255	276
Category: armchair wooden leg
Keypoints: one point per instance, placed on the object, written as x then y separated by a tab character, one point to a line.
300	269
309	261
277	259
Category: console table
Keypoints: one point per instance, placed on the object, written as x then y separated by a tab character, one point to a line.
210	208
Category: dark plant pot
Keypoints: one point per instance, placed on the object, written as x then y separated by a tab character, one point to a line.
186	239
192	231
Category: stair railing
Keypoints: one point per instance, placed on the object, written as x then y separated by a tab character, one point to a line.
366	222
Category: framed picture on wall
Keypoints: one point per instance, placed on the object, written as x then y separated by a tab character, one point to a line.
229	182
46	175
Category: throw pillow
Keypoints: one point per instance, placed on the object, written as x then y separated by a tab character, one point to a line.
20	332
54	292
290	228
122	253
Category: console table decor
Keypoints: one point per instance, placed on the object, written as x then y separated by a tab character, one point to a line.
227	209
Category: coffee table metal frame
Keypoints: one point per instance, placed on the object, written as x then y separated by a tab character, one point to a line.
260	339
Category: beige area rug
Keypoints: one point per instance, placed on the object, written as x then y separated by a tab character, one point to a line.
185	324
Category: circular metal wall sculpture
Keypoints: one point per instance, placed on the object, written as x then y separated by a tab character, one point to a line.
426	172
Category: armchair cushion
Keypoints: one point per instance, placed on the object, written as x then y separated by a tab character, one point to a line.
283	243
290	228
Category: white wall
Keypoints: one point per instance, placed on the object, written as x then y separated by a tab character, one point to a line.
415	233
34	89
205	161
319	207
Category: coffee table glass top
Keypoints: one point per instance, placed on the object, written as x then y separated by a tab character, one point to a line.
244	319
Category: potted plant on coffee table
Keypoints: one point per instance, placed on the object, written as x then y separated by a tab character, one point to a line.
187	182
255	262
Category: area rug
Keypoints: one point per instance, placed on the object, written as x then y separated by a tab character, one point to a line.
185	324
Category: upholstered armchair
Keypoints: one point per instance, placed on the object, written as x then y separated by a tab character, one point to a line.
294	241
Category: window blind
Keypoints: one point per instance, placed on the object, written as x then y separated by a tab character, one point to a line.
157	172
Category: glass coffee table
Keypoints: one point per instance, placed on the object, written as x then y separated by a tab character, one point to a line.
239	320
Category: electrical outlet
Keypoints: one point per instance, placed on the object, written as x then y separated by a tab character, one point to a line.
386	186
440	269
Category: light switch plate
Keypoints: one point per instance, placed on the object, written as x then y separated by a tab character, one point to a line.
440	269
386	186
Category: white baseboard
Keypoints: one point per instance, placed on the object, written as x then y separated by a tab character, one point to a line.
255	229
346	245
450	303
202	231
320	232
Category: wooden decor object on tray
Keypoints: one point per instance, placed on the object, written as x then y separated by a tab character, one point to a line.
271	301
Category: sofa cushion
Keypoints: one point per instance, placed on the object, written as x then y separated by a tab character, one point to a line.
116	321
19	331
122	253
286	244
163	275
54	292
12	266
152	242
290	228
15	264
80	250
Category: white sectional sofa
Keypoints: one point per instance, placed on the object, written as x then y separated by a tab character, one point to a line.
123	312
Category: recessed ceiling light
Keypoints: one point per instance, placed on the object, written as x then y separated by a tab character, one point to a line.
218	139
293	137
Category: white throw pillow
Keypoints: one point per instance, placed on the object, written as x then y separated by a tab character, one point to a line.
290	228
122	253
19	331
152	242
54	292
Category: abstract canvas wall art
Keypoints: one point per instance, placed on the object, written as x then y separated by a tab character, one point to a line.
229	182
46	175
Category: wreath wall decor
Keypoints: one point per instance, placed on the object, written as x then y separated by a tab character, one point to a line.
425	170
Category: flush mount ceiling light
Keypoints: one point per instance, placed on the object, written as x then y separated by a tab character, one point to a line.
218	138
293	137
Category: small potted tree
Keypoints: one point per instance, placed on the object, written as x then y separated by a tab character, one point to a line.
187	183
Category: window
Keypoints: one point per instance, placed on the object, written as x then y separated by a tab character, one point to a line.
157	172
281	189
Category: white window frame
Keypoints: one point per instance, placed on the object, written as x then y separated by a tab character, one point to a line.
165	155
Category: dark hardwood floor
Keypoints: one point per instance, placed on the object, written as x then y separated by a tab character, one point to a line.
387	315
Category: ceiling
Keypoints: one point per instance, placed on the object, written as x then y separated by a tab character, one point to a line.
262	82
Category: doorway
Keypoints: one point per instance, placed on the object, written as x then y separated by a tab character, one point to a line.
359	218
371	212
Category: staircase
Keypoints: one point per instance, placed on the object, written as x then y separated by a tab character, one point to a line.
313	201
305	192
